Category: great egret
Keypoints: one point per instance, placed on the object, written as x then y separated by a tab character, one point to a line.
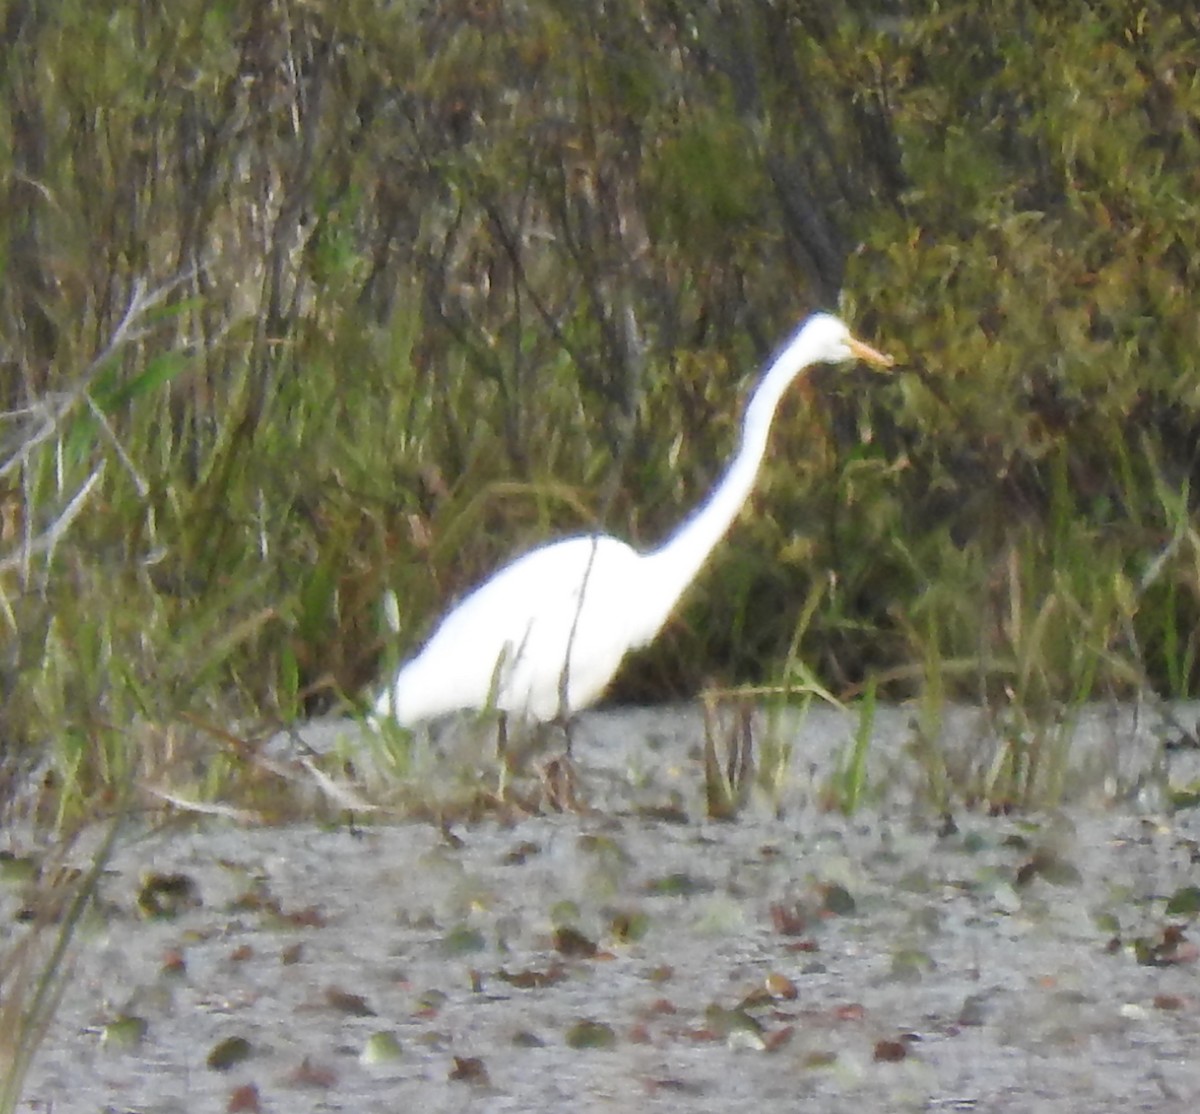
542	638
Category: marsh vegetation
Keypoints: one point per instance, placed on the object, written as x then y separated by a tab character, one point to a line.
303	303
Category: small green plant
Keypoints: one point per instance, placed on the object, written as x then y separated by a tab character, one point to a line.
728	757
849	783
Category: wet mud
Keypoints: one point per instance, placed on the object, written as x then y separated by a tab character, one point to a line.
915	955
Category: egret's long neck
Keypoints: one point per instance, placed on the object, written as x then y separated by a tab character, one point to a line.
677	561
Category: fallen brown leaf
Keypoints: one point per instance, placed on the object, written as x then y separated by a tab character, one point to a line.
470	1069
344	1002
243	1100
890	1051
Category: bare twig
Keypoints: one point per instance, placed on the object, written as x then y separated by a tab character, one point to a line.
204	808
342	795
51	536
53	408
44	420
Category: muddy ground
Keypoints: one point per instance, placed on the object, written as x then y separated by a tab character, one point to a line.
639	956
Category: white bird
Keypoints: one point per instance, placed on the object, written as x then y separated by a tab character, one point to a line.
541	639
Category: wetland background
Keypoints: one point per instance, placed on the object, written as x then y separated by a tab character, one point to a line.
302	302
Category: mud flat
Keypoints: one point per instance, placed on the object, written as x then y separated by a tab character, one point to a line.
639	956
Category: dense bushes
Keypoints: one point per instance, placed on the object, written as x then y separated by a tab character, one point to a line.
436	281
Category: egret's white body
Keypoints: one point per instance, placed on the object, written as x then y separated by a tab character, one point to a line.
542	638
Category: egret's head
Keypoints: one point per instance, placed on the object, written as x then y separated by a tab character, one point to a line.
826	339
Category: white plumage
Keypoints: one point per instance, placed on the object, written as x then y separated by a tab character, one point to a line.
542	638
